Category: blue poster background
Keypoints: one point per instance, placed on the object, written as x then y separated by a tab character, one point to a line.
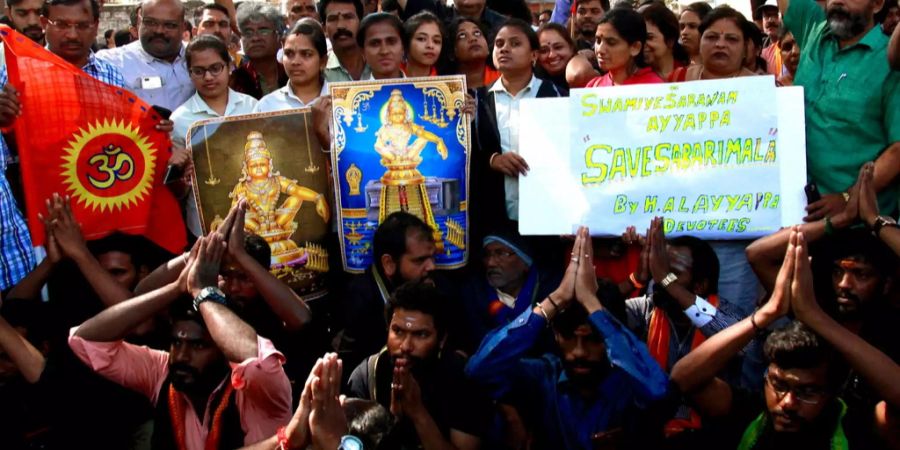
354	158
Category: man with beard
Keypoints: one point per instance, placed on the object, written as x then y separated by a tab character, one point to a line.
345	61
510	283
584	24
771	23
260	72
255	295
217	366
403	250
852	99
25	18
154	67
801	406
598	390
422	383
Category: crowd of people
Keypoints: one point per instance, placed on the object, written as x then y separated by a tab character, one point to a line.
540	342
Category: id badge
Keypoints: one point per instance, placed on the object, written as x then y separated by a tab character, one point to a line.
151	82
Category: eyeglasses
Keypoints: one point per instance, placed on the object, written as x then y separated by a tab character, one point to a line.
262	32
168	25
213	70
65	25
810	395
463	36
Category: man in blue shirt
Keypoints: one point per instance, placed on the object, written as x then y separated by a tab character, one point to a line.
599	391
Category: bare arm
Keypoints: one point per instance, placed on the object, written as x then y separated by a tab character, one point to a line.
117	321
30	287
894	49
695	374
868	208
887	166
162	275
236	339
880	371
285	303
27	359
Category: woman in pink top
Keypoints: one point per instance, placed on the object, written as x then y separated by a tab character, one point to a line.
621	36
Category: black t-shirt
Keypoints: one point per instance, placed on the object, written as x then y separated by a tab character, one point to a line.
453	402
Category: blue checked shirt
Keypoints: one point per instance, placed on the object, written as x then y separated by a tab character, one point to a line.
16	256
103	71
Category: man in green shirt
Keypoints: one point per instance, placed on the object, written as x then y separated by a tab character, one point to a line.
852	99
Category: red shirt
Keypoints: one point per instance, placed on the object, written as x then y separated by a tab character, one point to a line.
642	76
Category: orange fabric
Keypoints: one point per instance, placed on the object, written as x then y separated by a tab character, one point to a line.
658	339
490	75
176	413
97	143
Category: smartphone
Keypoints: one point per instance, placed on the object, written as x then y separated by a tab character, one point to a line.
173	173
812	193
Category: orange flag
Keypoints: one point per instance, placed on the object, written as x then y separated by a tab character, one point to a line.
95	142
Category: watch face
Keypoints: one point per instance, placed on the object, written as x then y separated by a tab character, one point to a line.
351	443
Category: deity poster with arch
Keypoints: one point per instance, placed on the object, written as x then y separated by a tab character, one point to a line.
401	145
275	162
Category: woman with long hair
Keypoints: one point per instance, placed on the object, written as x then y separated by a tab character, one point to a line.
471	54
424	44
689	24
555	52
662	52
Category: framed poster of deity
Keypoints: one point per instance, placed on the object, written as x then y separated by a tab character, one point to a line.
274	161
401	145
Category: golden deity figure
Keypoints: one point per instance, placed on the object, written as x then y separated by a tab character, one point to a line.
262	186
400	142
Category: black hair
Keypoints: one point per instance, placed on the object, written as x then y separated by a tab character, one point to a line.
30	314
566	321
603	3
860	244
133	15
796	346
667	22
705	262
376	18
701	9
422	297
451	67
198	13
357	4
369	421
182	310
122	37
510	8
45	8
631	26
547	11
258	249
119	242
390	6
108	33
727	13
206	42
525	28
413	23
311	29
559	29
390	236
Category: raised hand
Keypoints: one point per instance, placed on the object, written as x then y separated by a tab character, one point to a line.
327	422
827	206
204	271
779	303
10	108
66	230
566	290
868	199
803	297
406	395
658	256
54	254
585	278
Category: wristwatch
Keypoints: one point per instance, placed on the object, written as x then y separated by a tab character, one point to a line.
669	279
881	222
349	442
209	293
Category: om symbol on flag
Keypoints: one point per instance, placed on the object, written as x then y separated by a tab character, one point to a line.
122	167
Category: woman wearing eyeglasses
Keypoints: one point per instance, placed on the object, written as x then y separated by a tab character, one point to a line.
207	61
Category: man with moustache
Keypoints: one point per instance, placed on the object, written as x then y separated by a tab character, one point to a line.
510	282
154	67
25	18
259	73
598	390
403	249
219	386
422	383
71	30
345	61
771	24
803	405
476	9
852	99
